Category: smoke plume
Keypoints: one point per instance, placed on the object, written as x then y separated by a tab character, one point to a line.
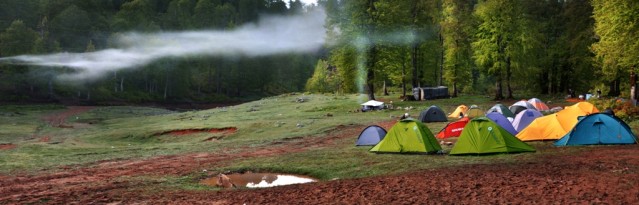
271	35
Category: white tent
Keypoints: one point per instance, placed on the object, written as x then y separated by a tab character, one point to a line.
372	105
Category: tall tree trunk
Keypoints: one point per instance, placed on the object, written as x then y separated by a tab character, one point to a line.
50	85
166	84
115	85
508	76
441	58
209	79
371	54
633	86
499	90
385	89
414	54
414	47
370	71
455	89
455	81
122	84
403	77
218	82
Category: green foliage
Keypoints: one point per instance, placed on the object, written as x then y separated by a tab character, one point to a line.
17	39
616	27
530	46
87	26
70	28
324	79
456	32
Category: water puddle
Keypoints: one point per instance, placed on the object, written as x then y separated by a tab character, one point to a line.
256	180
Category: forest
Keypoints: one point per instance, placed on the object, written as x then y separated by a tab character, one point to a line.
501	48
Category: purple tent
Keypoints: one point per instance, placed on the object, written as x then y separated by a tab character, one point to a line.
524	118
502	121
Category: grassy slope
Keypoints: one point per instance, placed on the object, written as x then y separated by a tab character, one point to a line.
127	133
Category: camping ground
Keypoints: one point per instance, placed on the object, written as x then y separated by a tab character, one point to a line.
57	154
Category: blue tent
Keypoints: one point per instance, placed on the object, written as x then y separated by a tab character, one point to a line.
598	128
370	136
524	118
502	121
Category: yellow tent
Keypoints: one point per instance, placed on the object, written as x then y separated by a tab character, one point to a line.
555	126
461	110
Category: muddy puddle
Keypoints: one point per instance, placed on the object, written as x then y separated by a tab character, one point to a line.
256	180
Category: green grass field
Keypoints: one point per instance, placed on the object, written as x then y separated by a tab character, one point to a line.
108	133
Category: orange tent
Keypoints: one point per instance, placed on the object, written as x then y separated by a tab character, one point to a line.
586	107
555	126
461	110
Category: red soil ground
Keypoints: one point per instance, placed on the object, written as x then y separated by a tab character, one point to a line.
604	174
59	119
225	130
7	146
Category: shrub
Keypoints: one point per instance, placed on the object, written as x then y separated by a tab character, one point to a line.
623	108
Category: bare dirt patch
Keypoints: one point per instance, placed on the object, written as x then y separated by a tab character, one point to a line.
225	131
602	174
7	146
44	139
59	119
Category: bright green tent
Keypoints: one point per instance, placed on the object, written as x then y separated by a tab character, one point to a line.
483	136
408	135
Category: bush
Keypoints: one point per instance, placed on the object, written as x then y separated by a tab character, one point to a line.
623	108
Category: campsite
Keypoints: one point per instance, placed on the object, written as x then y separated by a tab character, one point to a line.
319	102
122	157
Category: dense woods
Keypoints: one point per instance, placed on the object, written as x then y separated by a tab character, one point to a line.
76	26
502	48
498	47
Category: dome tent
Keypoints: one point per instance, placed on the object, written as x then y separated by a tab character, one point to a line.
459	111
370	136
502	122
597	129
524	118
502	110
482	136
432	114
453	129
538	104
408	136
555	126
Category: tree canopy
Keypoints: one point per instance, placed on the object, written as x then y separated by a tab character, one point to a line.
502	48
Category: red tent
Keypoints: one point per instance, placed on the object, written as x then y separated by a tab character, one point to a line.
453	129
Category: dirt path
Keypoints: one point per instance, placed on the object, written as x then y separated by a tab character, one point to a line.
58	119
62	187
608	174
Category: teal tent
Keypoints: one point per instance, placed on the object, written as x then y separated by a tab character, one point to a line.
598	128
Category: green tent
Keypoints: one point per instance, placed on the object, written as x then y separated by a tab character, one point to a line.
408	135
483	136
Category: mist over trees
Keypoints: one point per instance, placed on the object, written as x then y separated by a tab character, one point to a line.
77	26
501	48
